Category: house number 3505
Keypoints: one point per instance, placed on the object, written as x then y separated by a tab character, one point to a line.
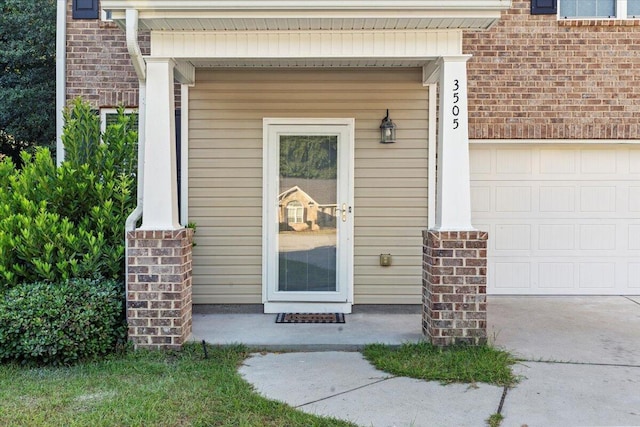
455	110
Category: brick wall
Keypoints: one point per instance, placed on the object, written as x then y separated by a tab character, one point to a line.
533	76
454	287
159	294
98	64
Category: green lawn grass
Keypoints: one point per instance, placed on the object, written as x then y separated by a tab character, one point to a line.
462	364
144	389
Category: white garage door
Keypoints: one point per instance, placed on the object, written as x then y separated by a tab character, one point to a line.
562	219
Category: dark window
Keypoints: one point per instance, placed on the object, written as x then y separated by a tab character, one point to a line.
85	9
633	9
544	7
179	160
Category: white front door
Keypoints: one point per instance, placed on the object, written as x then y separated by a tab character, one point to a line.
308	215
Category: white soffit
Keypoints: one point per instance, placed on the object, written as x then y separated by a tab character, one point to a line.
283	15
304	63
343	48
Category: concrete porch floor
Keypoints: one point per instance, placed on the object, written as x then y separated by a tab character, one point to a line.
389	325
533	327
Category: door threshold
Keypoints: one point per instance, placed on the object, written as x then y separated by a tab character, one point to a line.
307	307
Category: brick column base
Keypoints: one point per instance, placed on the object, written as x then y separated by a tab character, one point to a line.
454	287
159	288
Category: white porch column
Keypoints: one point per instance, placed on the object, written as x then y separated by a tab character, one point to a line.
453	208
160	203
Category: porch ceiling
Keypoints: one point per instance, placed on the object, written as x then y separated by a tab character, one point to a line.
305	63
303	15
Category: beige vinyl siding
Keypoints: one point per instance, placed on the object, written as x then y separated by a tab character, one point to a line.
226	109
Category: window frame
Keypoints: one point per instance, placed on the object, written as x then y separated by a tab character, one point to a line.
298	212
620	8
106	111
106	16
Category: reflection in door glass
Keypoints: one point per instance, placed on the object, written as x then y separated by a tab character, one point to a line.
307	213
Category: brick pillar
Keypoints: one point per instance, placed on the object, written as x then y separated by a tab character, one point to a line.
159	288
454	287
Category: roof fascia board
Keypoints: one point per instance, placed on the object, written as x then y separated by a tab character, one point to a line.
244	5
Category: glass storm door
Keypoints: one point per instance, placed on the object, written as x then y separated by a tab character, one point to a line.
308	210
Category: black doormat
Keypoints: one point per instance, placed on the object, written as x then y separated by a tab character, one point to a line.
310	318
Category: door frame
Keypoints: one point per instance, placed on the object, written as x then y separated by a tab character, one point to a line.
275	302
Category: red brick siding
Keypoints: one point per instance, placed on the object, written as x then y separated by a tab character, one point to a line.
530	77
99	68
159	304
533	76
454	287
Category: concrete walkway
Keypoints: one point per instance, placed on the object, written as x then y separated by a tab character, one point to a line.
581	362
580	366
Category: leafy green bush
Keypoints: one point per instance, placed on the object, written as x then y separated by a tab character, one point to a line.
59	223
60	323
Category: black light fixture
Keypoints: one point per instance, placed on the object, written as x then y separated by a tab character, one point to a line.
387	130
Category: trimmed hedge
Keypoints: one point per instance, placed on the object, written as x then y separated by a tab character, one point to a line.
61	323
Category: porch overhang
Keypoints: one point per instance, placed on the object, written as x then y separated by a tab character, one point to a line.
309	15
312	49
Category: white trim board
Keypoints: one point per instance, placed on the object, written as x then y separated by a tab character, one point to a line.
555	141
423	45
308	307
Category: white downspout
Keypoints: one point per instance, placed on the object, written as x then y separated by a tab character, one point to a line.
138	63
61	74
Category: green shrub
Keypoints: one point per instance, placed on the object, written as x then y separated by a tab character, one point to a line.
60	323
59	223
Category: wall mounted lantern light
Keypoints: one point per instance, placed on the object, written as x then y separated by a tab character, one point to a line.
387	130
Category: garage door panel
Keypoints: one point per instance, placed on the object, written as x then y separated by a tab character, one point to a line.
481	198
513	237
512	275
514	161
634	276
556	275
598	199
557	237
597	275
634	162
572	275
634	237
602	161
557	199
600	237
557	161
480	163
634	199
561	219
513	199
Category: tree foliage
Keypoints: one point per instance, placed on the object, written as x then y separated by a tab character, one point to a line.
27	71
11	148
307	156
